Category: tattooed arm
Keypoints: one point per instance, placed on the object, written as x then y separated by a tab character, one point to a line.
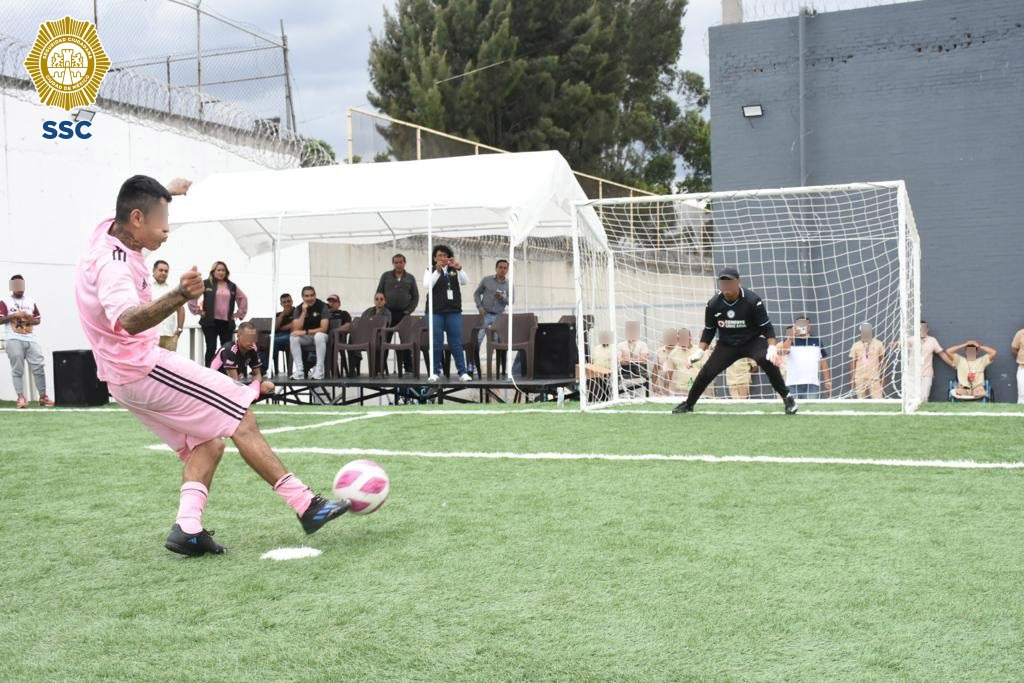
140	318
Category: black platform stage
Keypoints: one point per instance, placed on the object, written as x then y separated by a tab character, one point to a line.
344	391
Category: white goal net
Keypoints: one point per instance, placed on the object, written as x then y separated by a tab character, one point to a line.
827	261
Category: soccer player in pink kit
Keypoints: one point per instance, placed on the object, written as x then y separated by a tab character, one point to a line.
191	407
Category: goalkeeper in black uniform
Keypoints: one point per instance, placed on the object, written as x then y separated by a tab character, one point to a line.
739	318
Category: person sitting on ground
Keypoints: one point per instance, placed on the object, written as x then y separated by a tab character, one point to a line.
659	373
680	371
240	360
738	378
970	368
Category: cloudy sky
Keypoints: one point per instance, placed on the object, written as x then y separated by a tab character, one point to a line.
328	40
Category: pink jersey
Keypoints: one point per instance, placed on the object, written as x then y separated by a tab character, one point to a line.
110	279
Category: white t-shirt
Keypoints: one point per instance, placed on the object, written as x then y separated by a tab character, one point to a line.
10	305
804	362
170	324
634	354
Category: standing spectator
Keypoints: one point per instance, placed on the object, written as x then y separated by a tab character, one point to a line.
807	369
401	298
20	315
929	347
680	371
659	374
738	377
446	282
309	328
355	358
171	327
970	368
1017	346
867	364
491	298
221	304
240	360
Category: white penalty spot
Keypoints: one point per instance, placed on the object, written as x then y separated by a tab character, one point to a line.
289	553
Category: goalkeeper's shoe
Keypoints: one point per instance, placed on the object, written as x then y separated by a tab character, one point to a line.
321	511
192	545
790	405
683	407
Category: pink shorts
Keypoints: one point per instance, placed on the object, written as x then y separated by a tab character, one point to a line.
186	404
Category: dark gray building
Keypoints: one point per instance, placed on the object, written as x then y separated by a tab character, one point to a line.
930	92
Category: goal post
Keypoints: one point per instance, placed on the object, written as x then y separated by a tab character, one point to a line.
840	256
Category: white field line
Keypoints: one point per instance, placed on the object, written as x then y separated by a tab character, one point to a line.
391	411
328	423
767	459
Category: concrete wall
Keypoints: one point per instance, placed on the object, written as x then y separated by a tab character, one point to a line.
929	92
53	192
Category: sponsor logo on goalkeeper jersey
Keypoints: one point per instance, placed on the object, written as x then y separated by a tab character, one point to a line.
732	324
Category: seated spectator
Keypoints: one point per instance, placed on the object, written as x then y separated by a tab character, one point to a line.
633	352
355	358
867	364
929	347
309	329
283	324
379	309
738	378
679	371
970	368
784	352
600	367
808	375
1017	346
659	374
601	356
240	359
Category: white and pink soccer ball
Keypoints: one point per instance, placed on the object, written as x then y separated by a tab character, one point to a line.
363	482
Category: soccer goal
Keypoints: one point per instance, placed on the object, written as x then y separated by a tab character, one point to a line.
839	256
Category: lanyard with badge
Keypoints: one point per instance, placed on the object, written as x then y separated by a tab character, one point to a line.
448	282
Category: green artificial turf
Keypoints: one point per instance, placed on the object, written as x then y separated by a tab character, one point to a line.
502	569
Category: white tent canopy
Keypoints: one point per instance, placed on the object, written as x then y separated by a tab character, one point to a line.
522	195
528	194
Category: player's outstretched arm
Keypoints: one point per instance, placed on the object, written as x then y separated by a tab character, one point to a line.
140	318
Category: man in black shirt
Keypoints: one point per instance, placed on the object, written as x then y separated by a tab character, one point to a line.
309	328
240	360
739	318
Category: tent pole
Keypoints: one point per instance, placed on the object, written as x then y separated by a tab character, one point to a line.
426	284
511	299
275	285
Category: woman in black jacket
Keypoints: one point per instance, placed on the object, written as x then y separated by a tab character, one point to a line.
221	304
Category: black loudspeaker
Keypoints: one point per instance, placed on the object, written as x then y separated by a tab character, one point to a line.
554	353
74	380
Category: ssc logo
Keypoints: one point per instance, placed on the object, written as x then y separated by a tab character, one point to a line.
730	313
67	63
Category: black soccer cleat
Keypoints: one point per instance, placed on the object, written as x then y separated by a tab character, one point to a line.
192	545
790	405
321	511
682	408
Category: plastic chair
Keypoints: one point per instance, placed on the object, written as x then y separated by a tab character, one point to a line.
409	339
524	328
953	398
362	338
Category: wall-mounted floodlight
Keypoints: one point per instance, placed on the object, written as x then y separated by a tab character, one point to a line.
752	111
83	115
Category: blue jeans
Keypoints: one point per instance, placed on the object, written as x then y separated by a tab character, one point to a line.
450	324
808	391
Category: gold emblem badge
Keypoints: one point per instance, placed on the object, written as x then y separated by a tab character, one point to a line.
67	63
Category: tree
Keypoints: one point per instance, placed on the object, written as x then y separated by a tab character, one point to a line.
594	79
315	152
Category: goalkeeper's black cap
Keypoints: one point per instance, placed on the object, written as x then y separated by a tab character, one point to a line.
728	273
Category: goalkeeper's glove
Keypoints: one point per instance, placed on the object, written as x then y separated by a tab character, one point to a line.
772	354
697	354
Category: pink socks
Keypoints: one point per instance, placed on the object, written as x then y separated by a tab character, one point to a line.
295	493
190	507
